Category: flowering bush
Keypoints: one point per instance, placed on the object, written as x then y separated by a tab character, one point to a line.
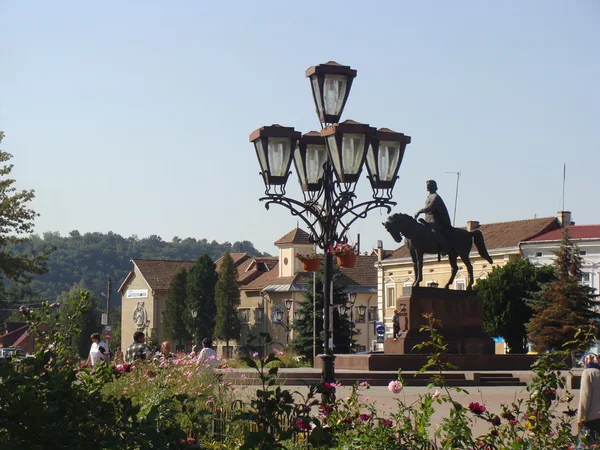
342	249
304	257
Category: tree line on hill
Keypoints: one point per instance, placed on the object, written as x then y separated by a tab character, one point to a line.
87	260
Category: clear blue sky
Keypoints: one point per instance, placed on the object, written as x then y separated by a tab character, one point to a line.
134	116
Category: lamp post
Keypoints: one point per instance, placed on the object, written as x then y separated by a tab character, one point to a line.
328	164
194	315
351	301
288	306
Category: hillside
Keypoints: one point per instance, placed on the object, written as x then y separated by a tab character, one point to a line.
91	258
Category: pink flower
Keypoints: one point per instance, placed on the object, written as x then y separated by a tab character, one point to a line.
364	384
255	355
395	387
365	417
386	423
476	408
436	394
303	425
278	352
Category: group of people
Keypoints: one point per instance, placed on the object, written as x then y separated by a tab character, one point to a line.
139	351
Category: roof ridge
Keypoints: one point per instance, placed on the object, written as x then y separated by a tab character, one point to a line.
164	260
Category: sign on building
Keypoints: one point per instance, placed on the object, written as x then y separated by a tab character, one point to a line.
137	293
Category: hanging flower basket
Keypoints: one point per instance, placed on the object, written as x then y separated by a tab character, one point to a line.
311	265
347	261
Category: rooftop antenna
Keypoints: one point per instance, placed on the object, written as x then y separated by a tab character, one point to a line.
456	195
564	181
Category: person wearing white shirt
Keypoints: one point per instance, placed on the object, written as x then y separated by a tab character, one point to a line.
207	357
98	351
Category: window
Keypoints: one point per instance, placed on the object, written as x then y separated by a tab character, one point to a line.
391	297
586	279
372	313
227	352
244	315
259	315
459	285
539	254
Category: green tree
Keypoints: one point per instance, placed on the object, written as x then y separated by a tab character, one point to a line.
175	308
87	322
227	298
200	288
303	335
506	293
114	320
564	306
17	262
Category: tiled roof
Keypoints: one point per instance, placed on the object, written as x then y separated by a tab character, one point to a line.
506	234
296	236
14	337
364	273
159	272
575	231
238	258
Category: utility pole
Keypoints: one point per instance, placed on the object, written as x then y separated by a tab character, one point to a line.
108	297
455	196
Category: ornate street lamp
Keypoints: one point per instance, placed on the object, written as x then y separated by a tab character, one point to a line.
362	310
342	309
329	165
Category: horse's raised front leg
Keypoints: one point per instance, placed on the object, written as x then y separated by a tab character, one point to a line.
452	256
469	266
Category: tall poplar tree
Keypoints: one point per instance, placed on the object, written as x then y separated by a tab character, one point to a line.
565	305
227	298
200	296
175	308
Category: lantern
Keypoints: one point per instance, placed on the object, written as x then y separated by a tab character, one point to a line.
274	147
309	159
384	157
330	83
347	145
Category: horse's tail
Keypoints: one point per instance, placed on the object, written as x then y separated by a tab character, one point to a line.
480	244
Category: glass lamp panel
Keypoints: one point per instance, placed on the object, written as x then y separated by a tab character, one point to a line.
371	165
261	154
316	155
317	93
279	316
388	158
334	154
353	150
299	163
334	91
279	156
342	309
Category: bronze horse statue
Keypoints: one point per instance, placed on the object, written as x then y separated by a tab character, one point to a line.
420	239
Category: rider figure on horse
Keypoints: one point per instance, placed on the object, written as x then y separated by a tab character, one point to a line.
436	216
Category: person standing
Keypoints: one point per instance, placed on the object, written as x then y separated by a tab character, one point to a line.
98	351
207	357
396	323
138	350
588	414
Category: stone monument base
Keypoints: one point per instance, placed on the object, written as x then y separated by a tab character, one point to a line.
461	316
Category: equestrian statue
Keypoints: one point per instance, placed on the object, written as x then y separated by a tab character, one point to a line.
436	235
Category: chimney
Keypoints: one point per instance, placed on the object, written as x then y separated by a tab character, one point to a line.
564	217
472	225
379	251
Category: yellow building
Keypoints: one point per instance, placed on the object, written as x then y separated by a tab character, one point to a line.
395	272
270	291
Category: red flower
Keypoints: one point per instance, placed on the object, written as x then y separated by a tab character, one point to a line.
476	408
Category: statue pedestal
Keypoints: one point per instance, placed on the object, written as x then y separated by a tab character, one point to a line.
461	314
